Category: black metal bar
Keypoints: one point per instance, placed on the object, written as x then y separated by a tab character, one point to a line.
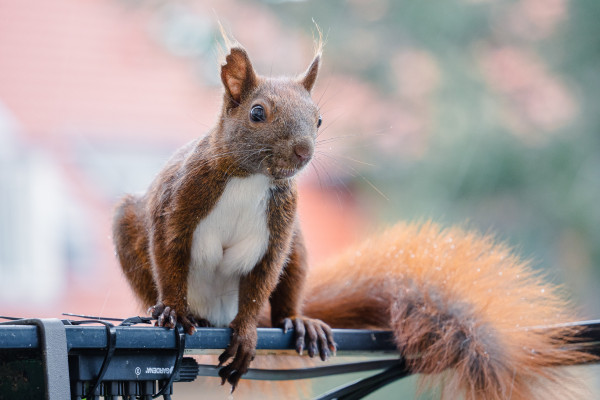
355	340
13	336
590	330
94	337
132	360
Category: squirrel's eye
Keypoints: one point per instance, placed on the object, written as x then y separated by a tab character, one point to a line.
257	114
319	122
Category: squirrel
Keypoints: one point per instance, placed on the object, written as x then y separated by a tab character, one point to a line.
216	237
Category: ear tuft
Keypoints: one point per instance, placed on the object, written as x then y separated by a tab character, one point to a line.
237	74
310	76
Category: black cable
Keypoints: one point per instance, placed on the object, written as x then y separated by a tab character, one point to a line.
91	317
374	383
363	387
305	373
111	341
124	321
180	344
136	320
10	318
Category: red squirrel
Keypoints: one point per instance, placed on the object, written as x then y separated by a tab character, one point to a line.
216	235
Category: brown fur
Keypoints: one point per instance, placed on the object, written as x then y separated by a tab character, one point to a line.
153	233
458	303
285	299
129	236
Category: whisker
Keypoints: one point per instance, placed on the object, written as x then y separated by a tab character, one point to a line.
317	165
246	153
358	174
314	166
357	161
336	95
329	124
335	160
263	159
375	188
323	94
338	179
381	132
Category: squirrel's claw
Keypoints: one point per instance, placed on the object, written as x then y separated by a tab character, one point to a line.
168	317
199	322
299	331
313	334
243	349
287	324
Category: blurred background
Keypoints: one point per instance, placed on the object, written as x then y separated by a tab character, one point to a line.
484	112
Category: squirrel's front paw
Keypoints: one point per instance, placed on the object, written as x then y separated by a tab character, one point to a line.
313	334
167	316
243	349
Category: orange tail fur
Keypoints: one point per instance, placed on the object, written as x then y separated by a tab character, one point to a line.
459	303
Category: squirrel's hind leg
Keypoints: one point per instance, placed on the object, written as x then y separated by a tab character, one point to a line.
131	244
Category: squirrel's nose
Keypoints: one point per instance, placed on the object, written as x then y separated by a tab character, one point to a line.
303	152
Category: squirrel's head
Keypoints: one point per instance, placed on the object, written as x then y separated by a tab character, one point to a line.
268	124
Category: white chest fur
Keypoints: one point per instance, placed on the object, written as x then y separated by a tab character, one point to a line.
227	244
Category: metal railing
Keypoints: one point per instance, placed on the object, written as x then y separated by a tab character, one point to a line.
71	359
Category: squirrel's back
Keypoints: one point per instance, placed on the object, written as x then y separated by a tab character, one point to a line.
459	303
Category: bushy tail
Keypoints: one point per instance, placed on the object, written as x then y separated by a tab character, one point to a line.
460	305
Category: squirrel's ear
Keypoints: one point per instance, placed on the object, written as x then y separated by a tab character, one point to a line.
310	76
237	75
